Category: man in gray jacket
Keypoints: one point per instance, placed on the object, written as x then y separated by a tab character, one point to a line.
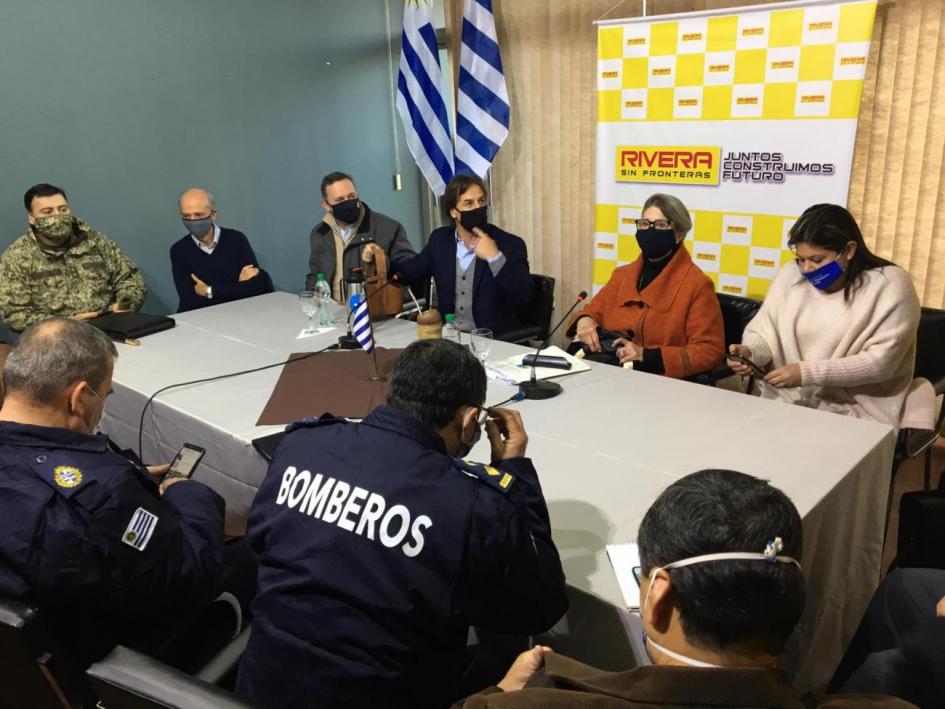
337	241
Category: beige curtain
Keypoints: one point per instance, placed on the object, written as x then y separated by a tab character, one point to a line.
543	177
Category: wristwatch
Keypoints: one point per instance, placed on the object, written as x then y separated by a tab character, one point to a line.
209	292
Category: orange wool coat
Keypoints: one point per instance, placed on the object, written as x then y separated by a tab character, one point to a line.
678	312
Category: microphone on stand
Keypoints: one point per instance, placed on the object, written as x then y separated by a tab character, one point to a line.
538	389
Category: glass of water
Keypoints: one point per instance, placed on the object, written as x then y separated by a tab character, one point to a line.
309	307
480	341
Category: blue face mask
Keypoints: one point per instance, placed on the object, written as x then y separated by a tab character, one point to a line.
825	276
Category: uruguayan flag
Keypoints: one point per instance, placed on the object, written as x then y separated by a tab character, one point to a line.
419	101
482	103
139	529
362	326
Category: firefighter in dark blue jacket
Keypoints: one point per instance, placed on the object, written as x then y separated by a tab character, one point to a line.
85	533
378	547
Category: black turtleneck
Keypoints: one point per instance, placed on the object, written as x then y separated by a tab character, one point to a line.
652	361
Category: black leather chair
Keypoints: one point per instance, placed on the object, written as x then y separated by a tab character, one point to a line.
537	315
127	679
737	312
34	670
930	364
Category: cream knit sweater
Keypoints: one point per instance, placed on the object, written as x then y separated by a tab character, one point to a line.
857	357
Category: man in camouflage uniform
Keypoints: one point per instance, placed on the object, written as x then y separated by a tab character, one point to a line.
61	266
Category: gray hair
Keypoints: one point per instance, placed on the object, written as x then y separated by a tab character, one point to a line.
673	209
55	353
210	200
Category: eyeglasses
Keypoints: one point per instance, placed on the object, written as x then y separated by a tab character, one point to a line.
660	224
96	394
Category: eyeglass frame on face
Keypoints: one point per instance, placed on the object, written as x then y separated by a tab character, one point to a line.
88	387
646	224
482	414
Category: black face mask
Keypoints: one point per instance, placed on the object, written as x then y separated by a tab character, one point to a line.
656	243
347	212
465	448
473	218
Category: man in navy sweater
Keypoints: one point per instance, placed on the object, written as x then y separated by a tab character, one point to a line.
212	265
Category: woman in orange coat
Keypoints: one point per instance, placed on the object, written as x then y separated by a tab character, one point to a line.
662	302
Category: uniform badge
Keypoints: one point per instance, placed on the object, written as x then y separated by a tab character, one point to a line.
504	478
67	476
139	529
487	474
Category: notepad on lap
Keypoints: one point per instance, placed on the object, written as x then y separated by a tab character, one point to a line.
624	558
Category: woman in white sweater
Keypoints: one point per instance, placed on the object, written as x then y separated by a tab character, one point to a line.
837	330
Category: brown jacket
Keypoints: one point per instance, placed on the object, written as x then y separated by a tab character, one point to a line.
574	685
678	312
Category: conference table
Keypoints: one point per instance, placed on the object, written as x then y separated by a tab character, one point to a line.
604	449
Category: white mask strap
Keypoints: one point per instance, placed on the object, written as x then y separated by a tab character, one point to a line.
722	556
770	555
676	656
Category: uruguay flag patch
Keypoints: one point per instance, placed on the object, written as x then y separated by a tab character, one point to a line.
139	529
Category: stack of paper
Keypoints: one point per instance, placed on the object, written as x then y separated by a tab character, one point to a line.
512	371
624	558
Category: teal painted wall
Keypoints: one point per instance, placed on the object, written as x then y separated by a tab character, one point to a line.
125	103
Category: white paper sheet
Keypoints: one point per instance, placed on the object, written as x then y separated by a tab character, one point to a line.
623	557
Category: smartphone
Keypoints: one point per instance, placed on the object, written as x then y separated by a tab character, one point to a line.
636	574
744	360
187	459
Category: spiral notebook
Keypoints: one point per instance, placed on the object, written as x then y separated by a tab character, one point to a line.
624	558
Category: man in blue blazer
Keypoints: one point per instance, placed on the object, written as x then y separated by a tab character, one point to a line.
481	272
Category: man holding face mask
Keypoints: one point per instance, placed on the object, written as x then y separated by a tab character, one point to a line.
63	267
379	547
211	264
481	272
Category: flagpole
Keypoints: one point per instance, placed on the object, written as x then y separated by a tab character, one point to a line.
376	376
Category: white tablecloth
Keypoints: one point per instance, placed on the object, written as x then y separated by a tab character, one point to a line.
604	450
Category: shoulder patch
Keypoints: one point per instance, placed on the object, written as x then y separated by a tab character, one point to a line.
67	476
60	472
313	421
499	479
139	530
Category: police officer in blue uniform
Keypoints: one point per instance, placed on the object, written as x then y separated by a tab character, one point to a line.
85	533
379	547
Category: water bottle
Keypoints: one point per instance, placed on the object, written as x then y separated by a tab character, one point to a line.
451	330
322	301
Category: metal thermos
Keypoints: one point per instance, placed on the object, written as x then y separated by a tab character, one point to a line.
352	285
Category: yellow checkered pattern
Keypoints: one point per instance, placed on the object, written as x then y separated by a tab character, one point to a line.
740	252
760	65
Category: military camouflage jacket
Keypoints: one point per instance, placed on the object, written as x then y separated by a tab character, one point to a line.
91	275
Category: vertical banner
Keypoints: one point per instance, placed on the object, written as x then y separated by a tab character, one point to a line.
747	115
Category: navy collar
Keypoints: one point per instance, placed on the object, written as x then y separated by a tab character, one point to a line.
388	419
27	435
